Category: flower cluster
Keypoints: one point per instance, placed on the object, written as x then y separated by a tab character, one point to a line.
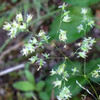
84	11
86	45
32	45
74	70
64	94
17	25
80	28
43	36
60	70
57	83
38	60
96	73
64	18
63	6
62	35
86	21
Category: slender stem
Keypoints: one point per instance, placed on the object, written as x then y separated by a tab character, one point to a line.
84	65
68	59
85	58
46	16
60	23
92	87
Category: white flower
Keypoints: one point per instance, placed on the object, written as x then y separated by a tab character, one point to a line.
80	28
64	94
33	40
84	11
82	54
15	24
30	47
29	18
19	17
74	70
84	19
22	27
46	55
63	6
95	74
13	32
60	69
65	75
41	33
41	62
7	26
57	83
24	51
66	18
33	59
92	41
87	43
53	72
62	35
90	23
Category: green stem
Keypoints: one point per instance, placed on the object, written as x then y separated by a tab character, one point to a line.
67	59
46	16
92	87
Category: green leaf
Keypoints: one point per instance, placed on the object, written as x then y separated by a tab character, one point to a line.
29	94
44	96
27	65
30	77
81	2
40	85
74	88
72	34
24	86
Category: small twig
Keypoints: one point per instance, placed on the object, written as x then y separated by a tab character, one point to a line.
9	50
12	69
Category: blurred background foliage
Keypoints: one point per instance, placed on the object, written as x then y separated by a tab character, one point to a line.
28	83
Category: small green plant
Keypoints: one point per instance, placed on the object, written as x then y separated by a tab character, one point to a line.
30	86
39	40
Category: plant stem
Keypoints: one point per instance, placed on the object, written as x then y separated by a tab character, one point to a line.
84	65
68	59
46	16
92	87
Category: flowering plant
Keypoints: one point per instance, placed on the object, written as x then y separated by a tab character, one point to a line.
39	40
